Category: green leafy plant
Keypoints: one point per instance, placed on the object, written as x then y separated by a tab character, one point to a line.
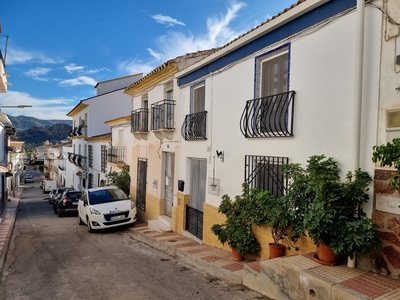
120	179
237	230
329	208
389	156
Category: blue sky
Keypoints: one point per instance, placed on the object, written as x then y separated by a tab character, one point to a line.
58	50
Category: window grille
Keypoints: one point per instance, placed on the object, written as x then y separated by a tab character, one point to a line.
265	173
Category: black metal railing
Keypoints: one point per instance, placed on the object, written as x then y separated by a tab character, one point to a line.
81	161
116	154
194	221
194	127
265	173
62	164
71	157
162	115
140	120
270	116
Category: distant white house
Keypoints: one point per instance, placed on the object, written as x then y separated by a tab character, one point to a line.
91	136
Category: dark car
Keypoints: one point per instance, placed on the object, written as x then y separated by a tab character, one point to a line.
67	203
58	193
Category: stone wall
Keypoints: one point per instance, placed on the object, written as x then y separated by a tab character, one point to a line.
386	216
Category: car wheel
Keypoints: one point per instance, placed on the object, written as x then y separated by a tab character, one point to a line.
89	227
60	213
80	222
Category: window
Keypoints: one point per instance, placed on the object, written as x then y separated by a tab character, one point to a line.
198	98
272	73
265	173
90	181
145	101
169	90
270	114
90	154
103	158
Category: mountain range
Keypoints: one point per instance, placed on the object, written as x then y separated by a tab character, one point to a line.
35	132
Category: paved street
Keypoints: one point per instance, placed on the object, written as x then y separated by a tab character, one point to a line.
55	258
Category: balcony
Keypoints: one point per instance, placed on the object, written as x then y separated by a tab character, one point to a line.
116	155
81	161
270	116
82	129
162	115
140	120
194	127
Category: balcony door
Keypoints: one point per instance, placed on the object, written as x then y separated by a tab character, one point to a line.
198	99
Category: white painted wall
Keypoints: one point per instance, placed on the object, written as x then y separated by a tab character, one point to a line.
106	107
98	175
322	74
390	72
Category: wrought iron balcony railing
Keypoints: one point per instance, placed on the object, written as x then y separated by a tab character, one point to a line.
194	127
270	116
81	161
162	115
116	154
140	120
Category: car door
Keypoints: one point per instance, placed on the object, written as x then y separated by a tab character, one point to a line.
81	207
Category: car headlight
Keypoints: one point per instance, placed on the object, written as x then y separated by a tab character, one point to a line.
94	211
133	205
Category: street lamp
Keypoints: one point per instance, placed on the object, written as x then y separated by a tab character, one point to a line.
14	106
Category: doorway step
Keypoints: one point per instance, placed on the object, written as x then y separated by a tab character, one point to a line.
162	224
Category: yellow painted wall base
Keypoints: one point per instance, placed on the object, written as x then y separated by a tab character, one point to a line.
179	212
262	233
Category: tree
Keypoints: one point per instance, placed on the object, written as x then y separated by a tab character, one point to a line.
120	179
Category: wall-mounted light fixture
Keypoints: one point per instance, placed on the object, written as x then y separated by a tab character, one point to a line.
220	155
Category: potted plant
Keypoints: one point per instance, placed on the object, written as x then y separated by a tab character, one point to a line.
275	213
332	205
237	230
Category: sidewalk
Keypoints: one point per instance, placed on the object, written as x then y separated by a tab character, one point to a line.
7	220
292	277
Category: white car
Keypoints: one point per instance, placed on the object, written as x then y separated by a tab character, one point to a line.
105	207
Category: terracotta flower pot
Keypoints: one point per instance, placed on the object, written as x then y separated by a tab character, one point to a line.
236	255
326	254
275	250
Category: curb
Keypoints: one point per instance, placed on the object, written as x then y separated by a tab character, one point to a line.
6	229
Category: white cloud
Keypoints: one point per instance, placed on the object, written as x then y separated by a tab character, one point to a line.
174	43
80	80
218	33
72	68
155	54
167	20
53	108
18	56
38	73
135	66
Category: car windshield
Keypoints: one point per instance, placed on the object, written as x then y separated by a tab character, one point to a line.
106	195
74	195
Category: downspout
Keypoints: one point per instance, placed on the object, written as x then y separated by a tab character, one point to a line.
358	83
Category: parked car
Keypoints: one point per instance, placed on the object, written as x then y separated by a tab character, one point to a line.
41	184
67	203
105	207
28	178
57	194
52	194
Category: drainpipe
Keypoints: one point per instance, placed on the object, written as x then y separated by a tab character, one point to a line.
358	84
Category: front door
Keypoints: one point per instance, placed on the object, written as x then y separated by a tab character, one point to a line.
141	183
169	161
194	210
